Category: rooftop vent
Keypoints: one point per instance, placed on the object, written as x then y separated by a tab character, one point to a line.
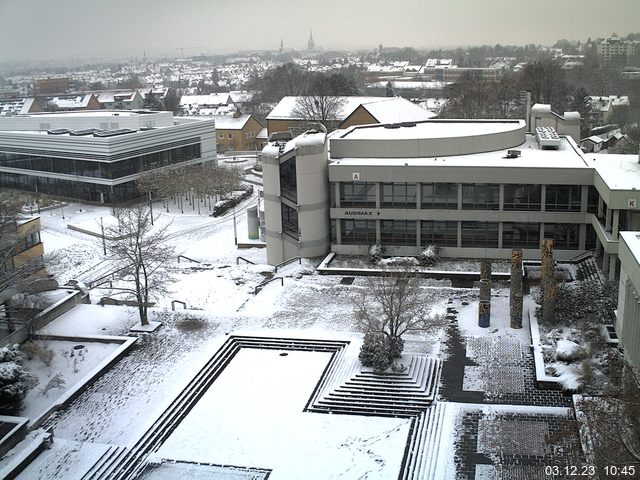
86	131
113	133
547	138
513	153
392	125
58	131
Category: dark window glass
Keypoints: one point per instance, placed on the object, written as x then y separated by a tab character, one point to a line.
332	195
288	180
358	194
289	220
358	232
480	234
443	234
520	235
592	200
398	232
565	235
522	197
563	198
480	196
590	243
398	195
440	195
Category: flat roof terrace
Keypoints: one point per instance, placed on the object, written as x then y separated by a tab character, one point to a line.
430	138
565	165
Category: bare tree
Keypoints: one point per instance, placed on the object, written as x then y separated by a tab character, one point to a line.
392	305
320	103
145	254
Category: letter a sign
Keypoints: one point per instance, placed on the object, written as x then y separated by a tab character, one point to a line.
632	203
356	176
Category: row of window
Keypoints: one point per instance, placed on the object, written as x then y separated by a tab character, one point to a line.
475	196
67	188
445	233
111	170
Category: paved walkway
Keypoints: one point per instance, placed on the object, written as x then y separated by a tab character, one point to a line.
499	371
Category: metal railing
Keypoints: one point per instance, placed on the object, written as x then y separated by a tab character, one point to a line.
187	258
242	258
287	262
259	287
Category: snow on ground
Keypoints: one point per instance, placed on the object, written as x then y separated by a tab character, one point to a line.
258	401
500	318
70	363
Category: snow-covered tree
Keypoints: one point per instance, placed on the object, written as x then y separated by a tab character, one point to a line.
392	305
144	254
15	381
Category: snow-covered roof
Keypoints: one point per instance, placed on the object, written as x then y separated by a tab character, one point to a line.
530	156
16	106
120	95
212	100
67	102
397	109
384	109
604	103
618	172
263	135
229	122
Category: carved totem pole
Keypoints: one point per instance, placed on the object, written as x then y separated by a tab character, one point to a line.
515	300
484	309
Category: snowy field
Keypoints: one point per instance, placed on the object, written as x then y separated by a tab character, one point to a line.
253	416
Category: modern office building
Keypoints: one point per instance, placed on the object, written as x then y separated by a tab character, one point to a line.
97	155
476	188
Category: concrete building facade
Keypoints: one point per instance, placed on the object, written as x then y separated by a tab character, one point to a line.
98	155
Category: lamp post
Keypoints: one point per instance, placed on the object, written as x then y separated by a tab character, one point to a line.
104	244
151	207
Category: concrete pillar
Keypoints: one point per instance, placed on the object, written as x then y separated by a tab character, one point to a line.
615	224
548	281
484	309
252	223
605	261
607	223
549	301
612	266
484	314
515	298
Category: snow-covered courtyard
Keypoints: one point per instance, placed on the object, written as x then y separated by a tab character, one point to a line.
254	413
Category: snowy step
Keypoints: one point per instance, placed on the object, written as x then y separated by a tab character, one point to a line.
107	462
422	461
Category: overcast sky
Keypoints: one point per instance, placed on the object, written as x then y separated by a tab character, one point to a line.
52	29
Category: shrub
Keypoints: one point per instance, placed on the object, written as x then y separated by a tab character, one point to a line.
429	256
33	349
15	381
376	252
375	351
55	382
379	350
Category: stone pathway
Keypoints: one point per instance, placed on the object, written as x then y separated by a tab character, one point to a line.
499	371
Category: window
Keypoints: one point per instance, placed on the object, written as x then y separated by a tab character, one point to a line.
440	195
221	136
288	179
592	200
398	232
480	196
398	195
520	235
29	241
565	235
289	221
522	197
229	136
443	234
480	234
563	198
358	194
358	232
332	195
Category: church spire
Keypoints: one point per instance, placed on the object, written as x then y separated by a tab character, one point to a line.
311	45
